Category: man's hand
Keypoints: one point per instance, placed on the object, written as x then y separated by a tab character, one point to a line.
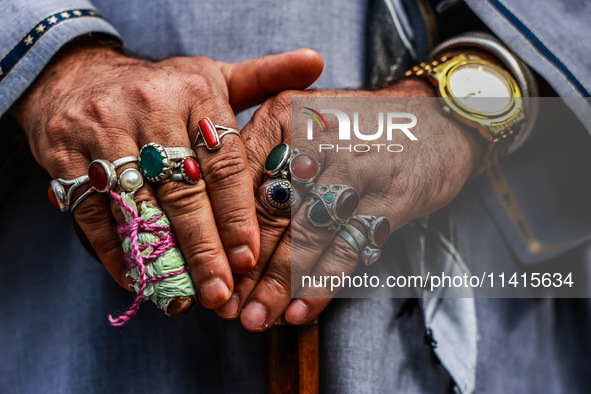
403	186
94	103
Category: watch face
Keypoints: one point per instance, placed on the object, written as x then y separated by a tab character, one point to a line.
480	88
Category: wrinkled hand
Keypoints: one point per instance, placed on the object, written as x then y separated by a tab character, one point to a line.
423	178
94	103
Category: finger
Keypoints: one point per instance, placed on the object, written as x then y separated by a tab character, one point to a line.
296	256
191	216
260	136
230	189
308	241
252	81
271	226
272	293
95	220
272	229
339	260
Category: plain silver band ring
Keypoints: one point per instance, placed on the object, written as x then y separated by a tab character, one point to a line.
227	131
350	240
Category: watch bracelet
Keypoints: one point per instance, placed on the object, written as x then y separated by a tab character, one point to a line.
524	76
495	149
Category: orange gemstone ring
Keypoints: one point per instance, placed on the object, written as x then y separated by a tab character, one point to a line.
209	133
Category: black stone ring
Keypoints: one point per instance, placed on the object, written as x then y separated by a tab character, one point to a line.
332	205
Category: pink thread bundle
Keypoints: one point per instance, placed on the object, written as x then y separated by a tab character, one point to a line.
132	228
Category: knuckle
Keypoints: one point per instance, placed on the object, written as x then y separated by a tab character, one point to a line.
180	199
278	279
227	164
197	254
238	219
91	212
101	107
344	259
198	84
304	237
282	102
279	108
56	125
145	95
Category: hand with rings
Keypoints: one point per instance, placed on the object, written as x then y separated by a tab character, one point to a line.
95	105
346	213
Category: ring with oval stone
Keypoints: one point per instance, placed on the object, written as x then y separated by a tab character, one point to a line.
209	133
368	245
332	205
301	168
62	199
161	164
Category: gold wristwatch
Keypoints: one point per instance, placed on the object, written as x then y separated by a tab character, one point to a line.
480	94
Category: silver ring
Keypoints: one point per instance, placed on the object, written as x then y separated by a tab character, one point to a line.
158	163
63	199
103	175
367	254
332	205
377	228
277	196
208	132
60	197
304	168
300	168
130	180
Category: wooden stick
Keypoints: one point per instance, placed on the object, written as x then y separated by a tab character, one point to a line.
293	359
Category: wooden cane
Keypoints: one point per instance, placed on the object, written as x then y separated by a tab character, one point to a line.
293	358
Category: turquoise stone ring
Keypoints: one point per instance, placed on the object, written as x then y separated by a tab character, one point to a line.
332	205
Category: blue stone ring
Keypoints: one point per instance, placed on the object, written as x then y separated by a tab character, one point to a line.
277	196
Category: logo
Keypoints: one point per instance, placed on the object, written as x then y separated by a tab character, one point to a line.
388	123
316	115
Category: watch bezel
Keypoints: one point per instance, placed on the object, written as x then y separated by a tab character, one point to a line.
474	117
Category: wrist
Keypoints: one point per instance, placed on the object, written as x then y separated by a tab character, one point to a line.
72	62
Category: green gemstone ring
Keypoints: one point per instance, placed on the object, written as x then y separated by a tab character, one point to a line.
158	162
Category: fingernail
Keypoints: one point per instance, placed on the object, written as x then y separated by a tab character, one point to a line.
241	260
296	312
128	282
230	309
214	293
253	316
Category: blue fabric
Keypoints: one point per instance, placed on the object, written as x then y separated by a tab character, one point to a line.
18	20
551	37
54	335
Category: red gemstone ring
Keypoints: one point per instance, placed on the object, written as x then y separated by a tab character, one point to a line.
332	205
377	227
98	174
103	174
61	198
367	253
304	169
162	164
209	132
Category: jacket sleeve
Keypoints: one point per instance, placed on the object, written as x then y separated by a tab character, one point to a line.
552	37
31	32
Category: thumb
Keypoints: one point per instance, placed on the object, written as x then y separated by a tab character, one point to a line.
252	81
